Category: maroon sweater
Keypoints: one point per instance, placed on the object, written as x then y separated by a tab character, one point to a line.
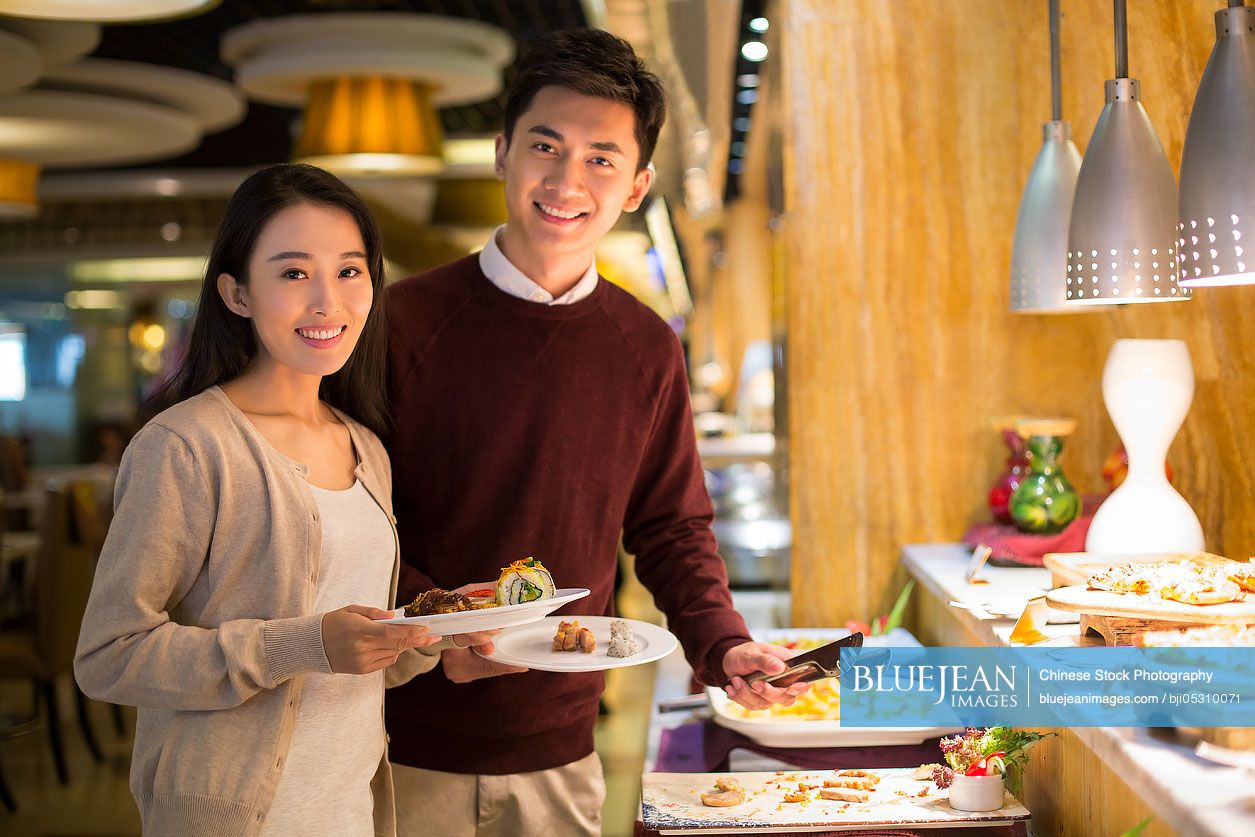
524	429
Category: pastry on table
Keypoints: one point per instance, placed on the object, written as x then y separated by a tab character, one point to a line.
727	792
843	794
859	774
924	773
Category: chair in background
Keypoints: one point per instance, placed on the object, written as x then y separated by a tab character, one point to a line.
71	538
13	477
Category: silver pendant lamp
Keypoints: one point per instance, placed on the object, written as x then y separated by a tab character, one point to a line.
1039	252
1121	240
1216	230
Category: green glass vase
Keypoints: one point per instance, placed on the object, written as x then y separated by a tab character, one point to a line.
1045	502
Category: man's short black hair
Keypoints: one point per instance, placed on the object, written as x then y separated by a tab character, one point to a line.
591	62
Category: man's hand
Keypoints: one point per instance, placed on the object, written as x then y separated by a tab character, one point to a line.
462	665
752	658
480	639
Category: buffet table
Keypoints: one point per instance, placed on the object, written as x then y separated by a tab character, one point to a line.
683	743
1090	780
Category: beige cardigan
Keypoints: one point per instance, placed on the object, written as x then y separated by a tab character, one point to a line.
201	614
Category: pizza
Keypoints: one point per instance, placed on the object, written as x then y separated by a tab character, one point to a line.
1120	578
1186	580
1201	591
1242	575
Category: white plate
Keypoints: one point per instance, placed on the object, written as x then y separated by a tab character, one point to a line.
493	618
784	732
531	645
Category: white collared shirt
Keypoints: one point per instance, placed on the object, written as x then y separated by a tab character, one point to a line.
508	278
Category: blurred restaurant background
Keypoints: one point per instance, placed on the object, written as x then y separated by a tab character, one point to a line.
125	127
830	237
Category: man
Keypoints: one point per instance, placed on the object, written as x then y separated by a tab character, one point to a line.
540	411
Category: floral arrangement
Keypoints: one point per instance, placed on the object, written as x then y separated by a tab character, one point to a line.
986	752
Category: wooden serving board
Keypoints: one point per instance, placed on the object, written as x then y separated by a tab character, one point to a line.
1080	599
672	804
1069	568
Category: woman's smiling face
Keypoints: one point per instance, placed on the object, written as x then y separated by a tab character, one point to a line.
308	290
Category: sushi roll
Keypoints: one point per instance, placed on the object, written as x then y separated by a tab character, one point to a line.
524	581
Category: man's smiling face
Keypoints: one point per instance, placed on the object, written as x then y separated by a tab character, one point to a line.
570	170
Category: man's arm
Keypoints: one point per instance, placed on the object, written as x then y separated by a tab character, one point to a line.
667	528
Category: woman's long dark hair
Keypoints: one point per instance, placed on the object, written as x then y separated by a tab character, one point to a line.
223	343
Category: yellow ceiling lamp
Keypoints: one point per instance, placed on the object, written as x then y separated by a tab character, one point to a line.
371	125
369	84
18	179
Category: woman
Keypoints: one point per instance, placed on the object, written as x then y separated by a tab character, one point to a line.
253	547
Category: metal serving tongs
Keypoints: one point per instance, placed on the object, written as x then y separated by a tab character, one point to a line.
817	664
824	661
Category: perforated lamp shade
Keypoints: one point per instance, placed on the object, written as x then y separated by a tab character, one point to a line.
1039	252
1216	228
1122	245
18	180
371	126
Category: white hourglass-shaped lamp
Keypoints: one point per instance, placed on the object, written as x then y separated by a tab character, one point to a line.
1148	386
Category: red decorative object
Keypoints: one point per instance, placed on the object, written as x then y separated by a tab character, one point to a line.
1017	465
1011	545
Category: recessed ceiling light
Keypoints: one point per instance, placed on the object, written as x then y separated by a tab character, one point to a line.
760	24
754	50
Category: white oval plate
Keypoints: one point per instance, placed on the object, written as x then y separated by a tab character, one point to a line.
493	618
785	732
531	645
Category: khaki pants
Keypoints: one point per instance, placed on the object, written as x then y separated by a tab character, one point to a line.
558	802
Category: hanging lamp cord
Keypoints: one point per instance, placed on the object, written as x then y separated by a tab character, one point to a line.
1056	85
1122	39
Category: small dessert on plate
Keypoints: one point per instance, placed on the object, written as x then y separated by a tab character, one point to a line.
623	642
